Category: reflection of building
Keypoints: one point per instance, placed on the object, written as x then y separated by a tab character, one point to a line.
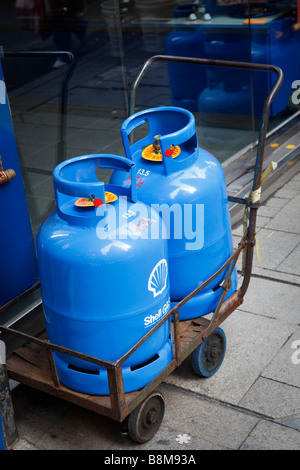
265	37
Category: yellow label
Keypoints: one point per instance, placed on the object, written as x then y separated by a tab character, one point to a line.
256	20
155	156
110	197
84	202
88	201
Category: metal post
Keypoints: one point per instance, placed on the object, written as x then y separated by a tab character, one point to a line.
8	430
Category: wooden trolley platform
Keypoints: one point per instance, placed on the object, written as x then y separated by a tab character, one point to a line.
32	364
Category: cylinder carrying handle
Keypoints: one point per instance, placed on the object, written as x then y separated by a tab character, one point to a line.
77	177
182	130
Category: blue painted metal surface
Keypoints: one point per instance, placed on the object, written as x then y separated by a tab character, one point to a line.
189	191
104	279
186	81
229	92
2	439
18	267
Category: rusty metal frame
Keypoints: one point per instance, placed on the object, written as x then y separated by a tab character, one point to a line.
121	403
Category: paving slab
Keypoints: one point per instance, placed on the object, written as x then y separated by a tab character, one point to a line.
287	219
80	429
261	221
252	342
39	209
271	275
270	211
274	246
36	134
292	422
36	117
279	251
36	413
273	299
291	264
211	421
293	184
274	201
273	399
272	436
42	158
285	365
32	180
44	189
287	193
295	178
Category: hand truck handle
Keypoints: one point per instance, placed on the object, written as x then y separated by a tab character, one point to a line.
184	131
229	64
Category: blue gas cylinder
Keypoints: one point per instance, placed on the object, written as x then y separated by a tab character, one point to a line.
227	91
186	186
18	266
104	279
186	80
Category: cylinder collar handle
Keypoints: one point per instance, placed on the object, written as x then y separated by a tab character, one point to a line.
77	177
175	126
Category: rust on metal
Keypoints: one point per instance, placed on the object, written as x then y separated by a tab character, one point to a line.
52	367
177	342
116	391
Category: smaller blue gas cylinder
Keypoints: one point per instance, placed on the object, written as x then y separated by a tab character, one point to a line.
104	279
186	186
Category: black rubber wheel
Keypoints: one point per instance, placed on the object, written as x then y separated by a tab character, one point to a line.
145	420
208	356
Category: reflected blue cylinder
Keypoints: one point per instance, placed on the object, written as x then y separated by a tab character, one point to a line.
104	279
186	186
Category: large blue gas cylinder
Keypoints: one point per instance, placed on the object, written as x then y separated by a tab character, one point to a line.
104	279
18	265
186	186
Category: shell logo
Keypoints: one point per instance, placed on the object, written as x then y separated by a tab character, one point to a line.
158	278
